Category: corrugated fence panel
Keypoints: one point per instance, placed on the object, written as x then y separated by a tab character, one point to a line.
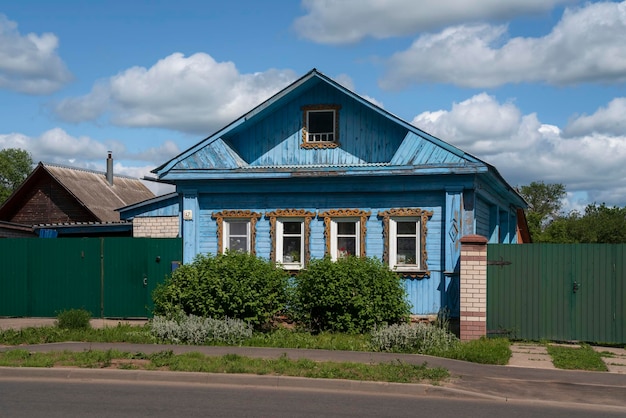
64	274
41	277
13	277
557	291
132	270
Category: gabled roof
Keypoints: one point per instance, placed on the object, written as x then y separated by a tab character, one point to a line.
413	151
214	154
90	189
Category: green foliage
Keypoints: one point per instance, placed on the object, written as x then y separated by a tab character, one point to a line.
45	335
191	329
544	205
576	358
285	338
74	319
233	285
15	165
483	351
418	338
351	295
599	224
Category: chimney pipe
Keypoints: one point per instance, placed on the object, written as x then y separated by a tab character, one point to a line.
110	169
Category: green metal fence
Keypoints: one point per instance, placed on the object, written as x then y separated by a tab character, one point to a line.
566	292
110	277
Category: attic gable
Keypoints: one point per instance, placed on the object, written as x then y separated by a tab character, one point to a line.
273	136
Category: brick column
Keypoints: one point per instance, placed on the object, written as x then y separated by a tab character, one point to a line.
473	287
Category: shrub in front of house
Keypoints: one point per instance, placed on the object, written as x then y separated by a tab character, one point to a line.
232	285
74	319
351	295
420	338
190	329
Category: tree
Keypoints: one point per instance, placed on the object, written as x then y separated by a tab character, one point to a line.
15	165
599	224
544	205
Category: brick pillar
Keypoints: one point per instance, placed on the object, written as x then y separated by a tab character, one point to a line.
473	287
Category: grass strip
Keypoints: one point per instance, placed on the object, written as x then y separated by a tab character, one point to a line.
398	372
576	358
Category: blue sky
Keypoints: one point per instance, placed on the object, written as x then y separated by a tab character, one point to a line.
535	87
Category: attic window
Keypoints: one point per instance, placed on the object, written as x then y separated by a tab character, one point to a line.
320	126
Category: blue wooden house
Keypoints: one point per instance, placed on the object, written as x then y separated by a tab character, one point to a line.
317	170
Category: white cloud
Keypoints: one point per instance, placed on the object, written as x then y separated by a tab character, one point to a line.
349	21
58	147
29	63
525	150
194	94
587	45
608	120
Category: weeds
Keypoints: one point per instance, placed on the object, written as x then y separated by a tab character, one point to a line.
397	371
576	358
196	330
74	319
418	338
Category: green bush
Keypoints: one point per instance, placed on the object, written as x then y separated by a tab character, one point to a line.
418	338
351	295
232	285
74	319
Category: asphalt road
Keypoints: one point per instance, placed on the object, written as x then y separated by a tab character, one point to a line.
53	398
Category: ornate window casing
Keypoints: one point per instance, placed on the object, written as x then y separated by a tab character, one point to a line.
320	126
345	230
404	233
236	230
290	230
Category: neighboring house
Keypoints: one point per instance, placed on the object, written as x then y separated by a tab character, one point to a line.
318	171
65	201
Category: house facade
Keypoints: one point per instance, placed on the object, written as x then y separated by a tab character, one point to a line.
319	171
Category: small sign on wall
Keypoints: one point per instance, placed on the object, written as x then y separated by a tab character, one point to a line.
187	215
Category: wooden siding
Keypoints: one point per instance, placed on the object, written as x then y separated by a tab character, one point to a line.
425	295
483	218
47	202
365	135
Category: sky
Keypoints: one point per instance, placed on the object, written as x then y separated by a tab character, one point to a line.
536	88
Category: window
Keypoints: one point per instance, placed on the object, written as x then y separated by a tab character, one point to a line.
237	235
320	126
290	230
236	230
405	239
345	232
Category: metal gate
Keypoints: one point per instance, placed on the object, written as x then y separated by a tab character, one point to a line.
109	277
561	292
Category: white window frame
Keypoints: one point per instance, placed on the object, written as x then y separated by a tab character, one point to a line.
316	137
334	237
393	244
280	234
225	217
390	218
228	235
311	140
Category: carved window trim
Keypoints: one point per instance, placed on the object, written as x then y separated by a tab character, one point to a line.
324	144
334	214
422	215
227	215
296	214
